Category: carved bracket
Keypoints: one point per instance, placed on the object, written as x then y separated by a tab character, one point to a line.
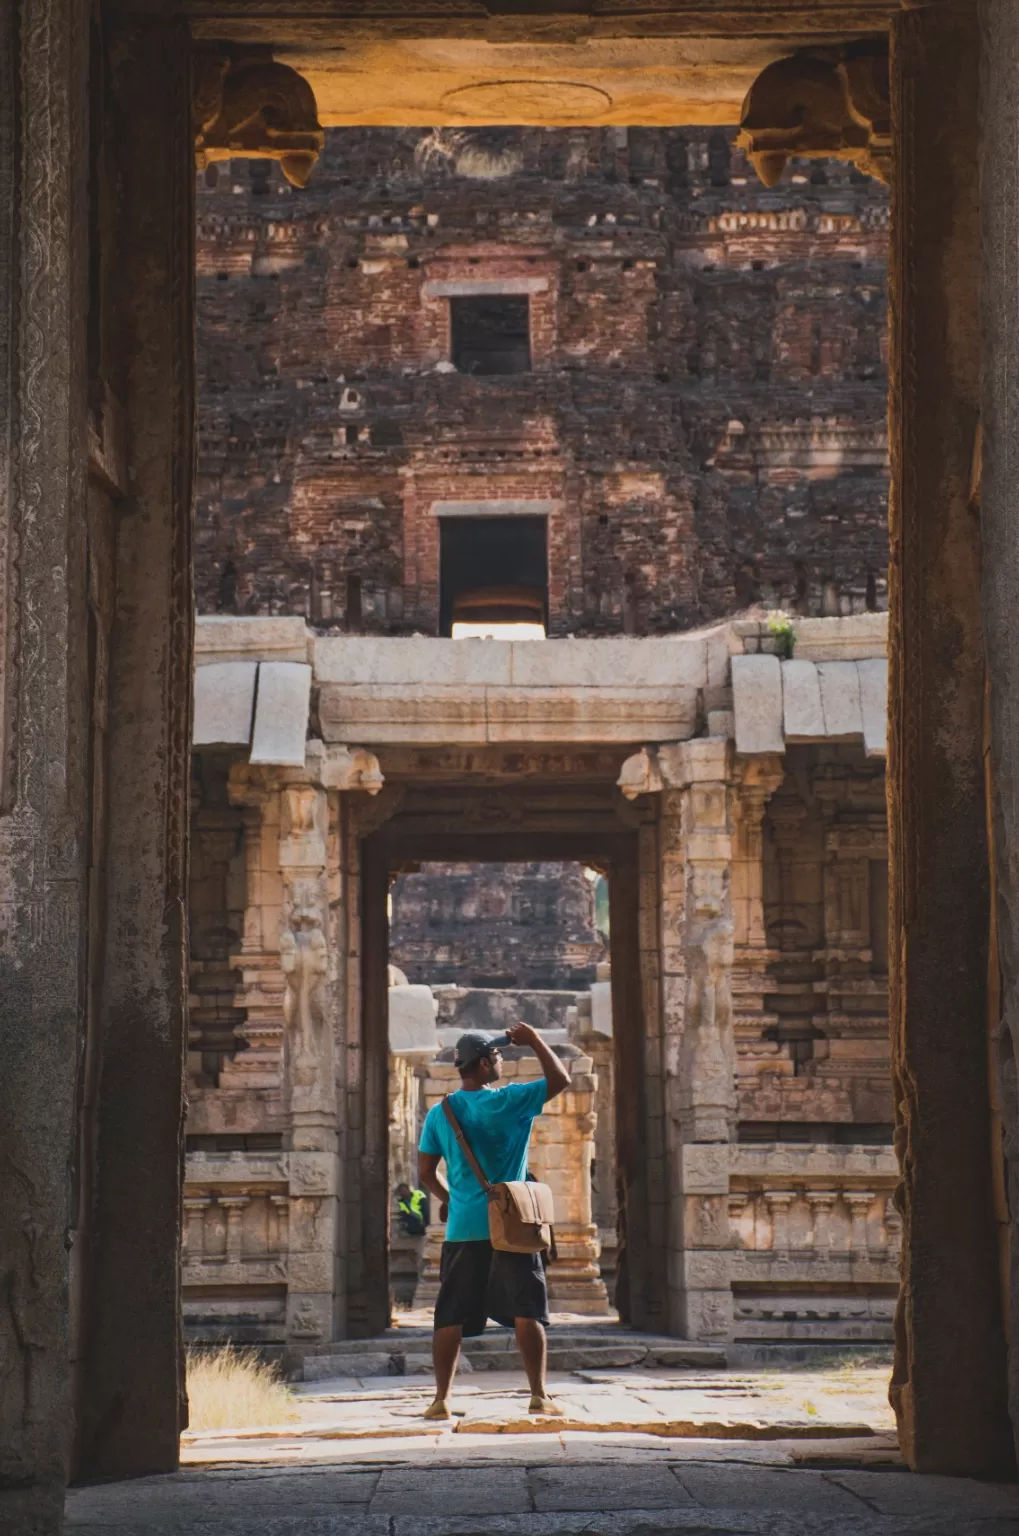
640	774
831	102
246	105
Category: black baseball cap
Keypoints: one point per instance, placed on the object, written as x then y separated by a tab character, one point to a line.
475	1044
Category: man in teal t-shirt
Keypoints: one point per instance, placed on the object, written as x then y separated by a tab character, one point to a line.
475	1281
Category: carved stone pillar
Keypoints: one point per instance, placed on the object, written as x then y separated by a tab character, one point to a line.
822	1203
260	993
757	779
193	1245
780	1202
949	1378
134	1404
309	1073
999	521
234	1205
700	1064
859	1202
44	705
280	1240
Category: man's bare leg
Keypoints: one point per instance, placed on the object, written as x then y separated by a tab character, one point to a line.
533	1346
445	1354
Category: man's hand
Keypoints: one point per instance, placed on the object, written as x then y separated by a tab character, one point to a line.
556	1075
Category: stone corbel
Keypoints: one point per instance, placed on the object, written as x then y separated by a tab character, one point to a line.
831	102
640	774
343	767
248	105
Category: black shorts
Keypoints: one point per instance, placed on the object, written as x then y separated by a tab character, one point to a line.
477	1283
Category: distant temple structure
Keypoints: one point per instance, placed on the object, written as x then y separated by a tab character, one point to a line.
603	389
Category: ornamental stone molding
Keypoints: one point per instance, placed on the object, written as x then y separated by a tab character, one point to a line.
247	105
823	102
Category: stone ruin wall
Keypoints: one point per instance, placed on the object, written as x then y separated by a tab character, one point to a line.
706	414
706	405
528	926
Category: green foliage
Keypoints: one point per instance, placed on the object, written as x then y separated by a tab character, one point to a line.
781	626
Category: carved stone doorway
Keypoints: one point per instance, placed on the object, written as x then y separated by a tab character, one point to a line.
532	823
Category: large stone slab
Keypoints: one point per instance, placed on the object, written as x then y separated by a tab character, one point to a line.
224	637
840	698
601	1007
801	701
224	697
455	1490
622	663
757	704
874	705
402	661
412	1018
850	638
281	713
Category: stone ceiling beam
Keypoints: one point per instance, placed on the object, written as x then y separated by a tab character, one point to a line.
666	64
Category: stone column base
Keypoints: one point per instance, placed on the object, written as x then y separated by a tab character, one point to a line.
574	1280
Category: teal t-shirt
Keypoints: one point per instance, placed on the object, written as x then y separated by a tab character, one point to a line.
497	1123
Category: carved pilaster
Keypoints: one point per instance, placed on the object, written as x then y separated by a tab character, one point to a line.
697	945
309	1075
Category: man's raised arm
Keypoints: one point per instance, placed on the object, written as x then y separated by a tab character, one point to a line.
556	1075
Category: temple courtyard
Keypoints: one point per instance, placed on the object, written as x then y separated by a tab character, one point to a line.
779	1450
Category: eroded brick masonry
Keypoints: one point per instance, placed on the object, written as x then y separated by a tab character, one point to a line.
702	424
603	381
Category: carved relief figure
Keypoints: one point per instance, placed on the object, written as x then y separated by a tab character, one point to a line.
304	960
708	1053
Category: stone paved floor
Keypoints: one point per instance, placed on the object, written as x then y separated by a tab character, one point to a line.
764	1453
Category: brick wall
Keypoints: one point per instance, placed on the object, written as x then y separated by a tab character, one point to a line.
706	403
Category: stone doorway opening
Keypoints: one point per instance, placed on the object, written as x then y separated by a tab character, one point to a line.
484	946
459	905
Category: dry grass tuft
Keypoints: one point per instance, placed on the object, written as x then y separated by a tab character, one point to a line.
230	1390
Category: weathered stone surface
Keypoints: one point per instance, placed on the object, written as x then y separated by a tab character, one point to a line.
411	1018
757	701
491	929
281	713
801	700
332	1367
223	637
224	701
840	698
949	1382
467	1491
1000	577
874	705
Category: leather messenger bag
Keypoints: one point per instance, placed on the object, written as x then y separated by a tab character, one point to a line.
520	1213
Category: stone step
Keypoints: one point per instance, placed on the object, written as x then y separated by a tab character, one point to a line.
407	1351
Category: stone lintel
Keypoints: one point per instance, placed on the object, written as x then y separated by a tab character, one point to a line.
481	287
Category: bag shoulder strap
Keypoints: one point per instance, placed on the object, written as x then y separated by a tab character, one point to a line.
465	1145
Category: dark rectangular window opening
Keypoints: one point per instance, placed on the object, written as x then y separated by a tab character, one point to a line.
492	570
491	333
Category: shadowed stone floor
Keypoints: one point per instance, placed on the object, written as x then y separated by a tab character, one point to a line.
751	1454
